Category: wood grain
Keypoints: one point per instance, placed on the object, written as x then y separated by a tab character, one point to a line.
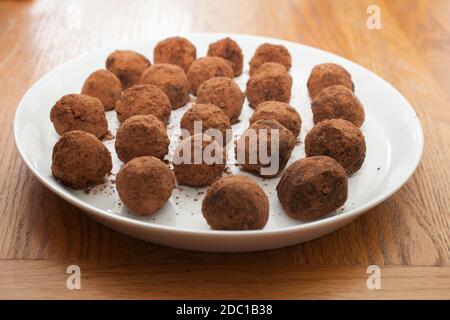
412	228
124	280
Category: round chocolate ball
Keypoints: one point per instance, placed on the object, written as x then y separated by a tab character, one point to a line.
338	139
145	184
270	82
79	112
141	136
202	117
224	93
206	68
105	86
313	187
235	203
229	50
326	75
142	100
337	102
270	53
269	135
171	79
127	66
80	160
281	112
203	171
175	50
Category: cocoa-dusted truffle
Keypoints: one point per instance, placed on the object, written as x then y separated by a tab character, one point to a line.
175	50
235	203
142	100
141	136
313	187
270	53
224	93
209	165
337	102
145	184
171	79
105	86
229	50
262	134
338	139
281	112
206	116
206	68
270	82
80	160
326	75
127	66
79	112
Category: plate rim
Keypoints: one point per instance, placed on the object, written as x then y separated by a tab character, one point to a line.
331	220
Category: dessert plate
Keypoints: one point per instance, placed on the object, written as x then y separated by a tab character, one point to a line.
392	130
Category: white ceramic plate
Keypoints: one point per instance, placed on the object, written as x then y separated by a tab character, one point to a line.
393	134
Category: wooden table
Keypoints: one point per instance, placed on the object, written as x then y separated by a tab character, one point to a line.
408	235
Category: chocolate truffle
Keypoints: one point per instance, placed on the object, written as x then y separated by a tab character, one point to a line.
281	112
80	160
105	86
79	112
142	100
253	139
203	170
224	93
338	139
327	75
171	79
270	53
145	184
235	203
270	82
313	187
337	102
175	50
207	116
127	66
229	50
206	68
141	136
